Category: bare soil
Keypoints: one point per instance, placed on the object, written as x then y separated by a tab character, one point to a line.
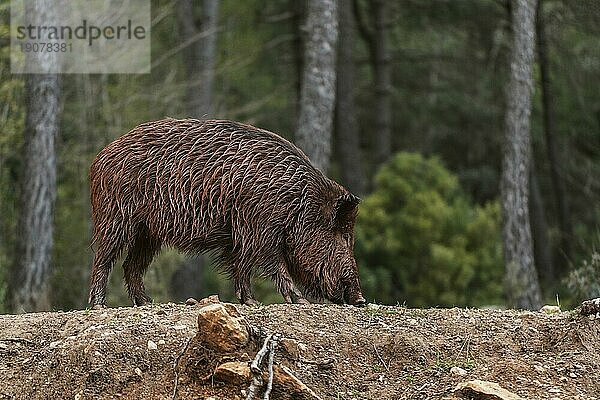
346	352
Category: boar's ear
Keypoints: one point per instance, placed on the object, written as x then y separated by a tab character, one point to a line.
345	210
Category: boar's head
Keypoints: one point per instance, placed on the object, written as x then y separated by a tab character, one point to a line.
321	250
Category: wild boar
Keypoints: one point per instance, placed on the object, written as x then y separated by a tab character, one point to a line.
246	195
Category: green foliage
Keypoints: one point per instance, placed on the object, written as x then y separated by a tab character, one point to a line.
584	280
421	242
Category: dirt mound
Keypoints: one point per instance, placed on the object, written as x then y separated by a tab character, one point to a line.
343	352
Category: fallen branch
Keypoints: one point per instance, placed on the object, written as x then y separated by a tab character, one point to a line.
176	365
381	359
268	348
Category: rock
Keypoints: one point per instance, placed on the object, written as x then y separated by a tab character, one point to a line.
287	383
152	345
457	371
590	307
485	390
138	371
191	301
234	372
548	309
539	368
219	330
161	342
213	299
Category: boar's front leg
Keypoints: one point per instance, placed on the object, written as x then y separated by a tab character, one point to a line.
286	286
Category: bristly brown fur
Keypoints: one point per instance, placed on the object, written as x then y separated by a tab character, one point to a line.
244	193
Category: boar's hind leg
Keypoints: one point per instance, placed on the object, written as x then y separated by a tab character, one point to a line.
139	257
286	286
241	280
107	252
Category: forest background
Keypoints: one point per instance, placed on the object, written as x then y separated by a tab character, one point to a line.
418	127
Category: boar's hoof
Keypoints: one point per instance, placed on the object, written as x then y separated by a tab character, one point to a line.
99	307
301	300
142	300
251	302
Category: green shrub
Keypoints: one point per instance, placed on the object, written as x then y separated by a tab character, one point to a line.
584	281
420	241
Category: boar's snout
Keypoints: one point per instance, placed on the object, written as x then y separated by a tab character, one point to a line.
354	297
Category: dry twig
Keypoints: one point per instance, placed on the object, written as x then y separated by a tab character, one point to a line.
268	348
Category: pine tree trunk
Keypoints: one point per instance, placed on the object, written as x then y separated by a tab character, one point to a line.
346	129
317	95
199	60
199	56
30	280
539	230
383	82
558	186
299	10
522	285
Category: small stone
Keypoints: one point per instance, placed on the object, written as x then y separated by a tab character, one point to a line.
191	301
161	342
539	368
373	307
234	372
590	307
214	299
572	375
138	371
457	371
152	345
54	344
485	390
548	309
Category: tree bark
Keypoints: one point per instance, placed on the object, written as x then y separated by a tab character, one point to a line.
298	48
346	128
30	280
521	280
539	229
558	185
317	95
383	82
199	60
199	56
